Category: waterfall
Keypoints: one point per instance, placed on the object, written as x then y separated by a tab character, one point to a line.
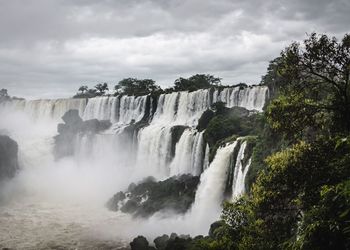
197	157
177	108
206	157
116	109
44	109
99	108
153	143
106	162
251	98
210	192
189	154
154	154
132	108
185	108
240	172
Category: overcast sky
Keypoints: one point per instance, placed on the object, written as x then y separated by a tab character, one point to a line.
48	48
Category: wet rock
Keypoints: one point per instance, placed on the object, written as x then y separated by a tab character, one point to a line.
150	196
72	117
73	125
176	132
8	157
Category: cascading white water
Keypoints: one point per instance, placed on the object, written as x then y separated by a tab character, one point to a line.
116	109
210	192
206	157
251	98
107	162
185	108
240	172
189	154
197	157
99	108
44	109
153	156
132	108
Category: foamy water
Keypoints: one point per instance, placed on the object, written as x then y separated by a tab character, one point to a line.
34	224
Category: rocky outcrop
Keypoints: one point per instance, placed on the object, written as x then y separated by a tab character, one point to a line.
148	197
8	157
73	126
176	132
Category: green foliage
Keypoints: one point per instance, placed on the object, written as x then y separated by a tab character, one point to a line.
301	197
320	73
101	88
327	224
272	79
299	176
229	123
267	142
221	127
85	92
204	120
136	87
195	82
293	115
83	89
140	243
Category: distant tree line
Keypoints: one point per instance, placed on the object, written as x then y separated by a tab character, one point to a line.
138	87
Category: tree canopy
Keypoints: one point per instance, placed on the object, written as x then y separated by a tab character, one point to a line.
314	80
137	87
301	198
195	82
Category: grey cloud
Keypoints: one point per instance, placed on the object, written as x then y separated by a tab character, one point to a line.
50	47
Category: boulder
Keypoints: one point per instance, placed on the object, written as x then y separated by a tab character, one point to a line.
95	126
8	157
150	196
72	126
72	117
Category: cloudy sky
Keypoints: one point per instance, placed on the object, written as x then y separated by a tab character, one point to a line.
48	48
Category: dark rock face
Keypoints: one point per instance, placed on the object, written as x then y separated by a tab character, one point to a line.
205	119
73	125
72	117
8	157
148	197
176	132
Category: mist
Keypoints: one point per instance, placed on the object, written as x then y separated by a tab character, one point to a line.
75	189
75	154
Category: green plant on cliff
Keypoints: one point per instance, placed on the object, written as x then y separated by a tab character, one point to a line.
301	200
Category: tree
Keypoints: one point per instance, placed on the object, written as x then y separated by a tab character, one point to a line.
272	79
195	82
101	88
3	93
138	87
301	199
83	89
319	72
